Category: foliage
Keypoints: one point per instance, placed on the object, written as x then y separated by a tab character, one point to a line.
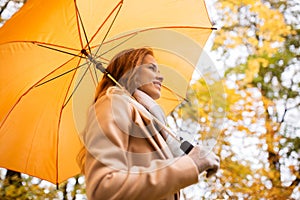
259	142
16	186
20	186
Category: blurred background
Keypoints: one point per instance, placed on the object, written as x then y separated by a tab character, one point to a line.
256	51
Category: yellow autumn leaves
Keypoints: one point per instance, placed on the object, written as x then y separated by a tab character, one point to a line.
256	27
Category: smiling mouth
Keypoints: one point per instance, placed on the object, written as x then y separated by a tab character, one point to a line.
157	83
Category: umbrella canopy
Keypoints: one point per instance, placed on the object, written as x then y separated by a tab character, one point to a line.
46	82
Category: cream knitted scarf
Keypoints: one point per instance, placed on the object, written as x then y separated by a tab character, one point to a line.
157	112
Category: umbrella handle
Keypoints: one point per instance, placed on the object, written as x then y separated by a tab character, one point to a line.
186	147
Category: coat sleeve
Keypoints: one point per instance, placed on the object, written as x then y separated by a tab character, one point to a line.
107	173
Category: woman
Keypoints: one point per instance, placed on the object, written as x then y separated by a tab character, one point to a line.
127	156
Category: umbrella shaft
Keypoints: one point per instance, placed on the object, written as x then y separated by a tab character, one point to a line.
114	80
94	61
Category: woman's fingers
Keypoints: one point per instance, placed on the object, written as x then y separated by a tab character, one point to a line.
205	159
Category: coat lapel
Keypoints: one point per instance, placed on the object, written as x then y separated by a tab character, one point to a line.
151	134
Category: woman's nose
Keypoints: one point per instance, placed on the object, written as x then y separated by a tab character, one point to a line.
159	77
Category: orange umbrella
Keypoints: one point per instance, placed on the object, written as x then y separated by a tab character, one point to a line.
47	83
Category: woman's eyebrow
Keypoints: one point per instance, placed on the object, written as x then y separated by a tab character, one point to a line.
155	65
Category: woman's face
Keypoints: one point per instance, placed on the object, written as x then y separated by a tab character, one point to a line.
149	77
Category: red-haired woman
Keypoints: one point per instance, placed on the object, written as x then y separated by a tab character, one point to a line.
127	155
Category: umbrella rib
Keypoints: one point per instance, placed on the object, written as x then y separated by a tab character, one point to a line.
175	93
133	35
139	31
61	74
55	45
69	98
95	81
58	50
43	44
59	122
118	5
83	28
162	27
109	28
148	29
155	28
95	72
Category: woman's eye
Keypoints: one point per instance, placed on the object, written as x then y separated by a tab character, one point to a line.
152	68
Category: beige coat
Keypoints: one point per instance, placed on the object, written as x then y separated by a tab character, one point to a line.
127	157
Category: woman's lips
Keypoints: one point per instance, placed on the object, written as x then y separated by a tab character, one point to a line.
157	84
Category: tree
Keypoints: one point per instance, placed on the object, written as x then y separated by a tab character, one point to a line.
259	144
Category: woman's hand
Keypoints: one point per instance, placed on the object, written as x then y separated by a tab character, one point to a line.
205	159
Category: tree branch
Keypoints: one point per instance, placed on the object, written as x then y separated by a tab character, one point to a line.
295	182
4	7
